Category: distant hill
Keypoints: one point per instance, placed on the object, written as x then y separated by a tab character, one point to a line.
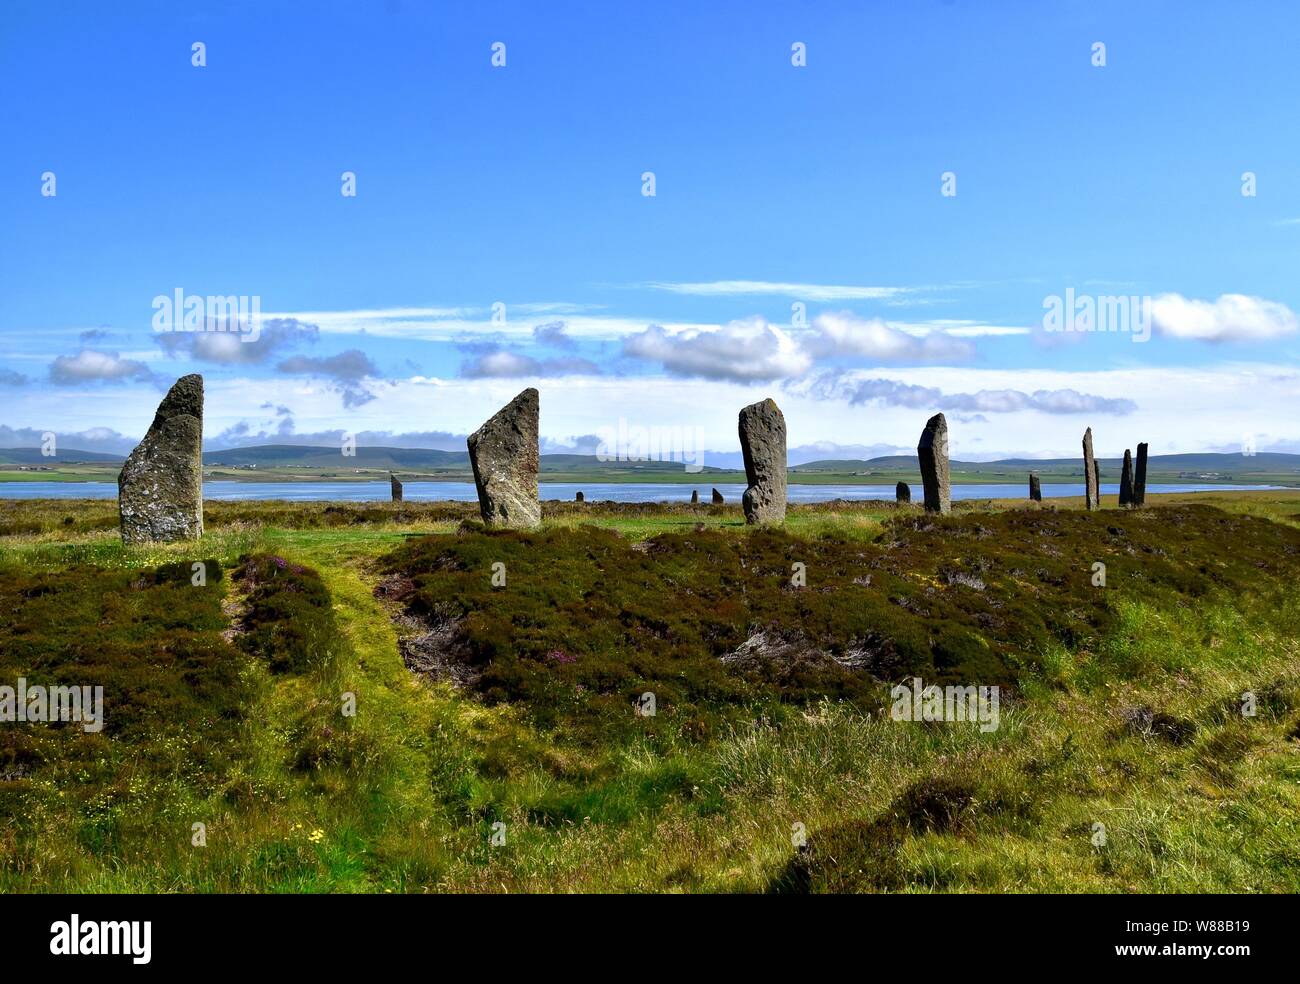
65	456
1270	462
306	456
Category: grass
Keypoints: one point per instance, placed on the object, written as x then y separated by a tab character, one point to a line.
1123	706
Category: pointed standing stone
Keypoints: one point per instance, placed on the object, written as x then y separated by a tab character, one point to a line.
160	488
902	492
1091	479
1140	477
695	497
1126	480
762	442
933	455
395	486
504	455
1035	488
717	498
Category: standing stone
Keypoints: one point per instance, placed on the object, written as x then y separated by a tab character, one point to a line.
396	487
160	488
1126	480
902	492
579	497
695	497
1091	477
1035	488
933	454
717	498
1140	477
504	455
762	442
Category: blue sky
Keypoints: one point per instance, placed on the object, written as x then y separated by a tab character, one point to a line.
775	185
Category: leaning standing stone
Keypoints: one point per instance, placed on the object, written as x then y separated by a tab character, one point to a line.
1140	477
504	456
160	488
933	454
902	492
1035	488
717	498
1126	480
395	486
1091	480
762	442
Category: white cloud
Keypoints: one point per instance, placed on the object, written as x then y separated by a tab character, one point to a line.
1231	318
749	351
89	365
808	292
844	334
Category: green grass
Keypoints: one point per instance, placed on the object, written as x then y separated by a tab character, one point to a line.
1123	705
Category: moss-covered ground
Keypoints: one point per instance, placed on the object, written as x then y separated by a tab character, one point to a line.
348	702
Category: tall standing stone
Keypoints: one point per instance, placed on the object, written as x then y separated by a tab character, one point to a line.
717	498
395	486
762	442
160	488
1126	480
1091	478
1140	477
1096	477
504	456
1035	488
695	497
933	455
902	492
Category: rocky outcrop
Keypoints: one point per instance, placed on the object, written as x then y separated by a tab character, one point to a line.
160	488
933	455
1091	475
762	442
1035	488
1140	477
902	492
395	487
504	456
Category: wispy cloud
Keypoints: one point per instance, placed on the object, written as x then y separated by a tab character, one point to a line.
754	288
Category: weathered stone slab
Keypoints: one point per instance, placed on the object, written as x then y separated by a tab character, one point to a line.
762	442
717	498
1140	477
933	455
160	488
1126	480
395	486
1035	488
579	497
1091	477
504	456
902	492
